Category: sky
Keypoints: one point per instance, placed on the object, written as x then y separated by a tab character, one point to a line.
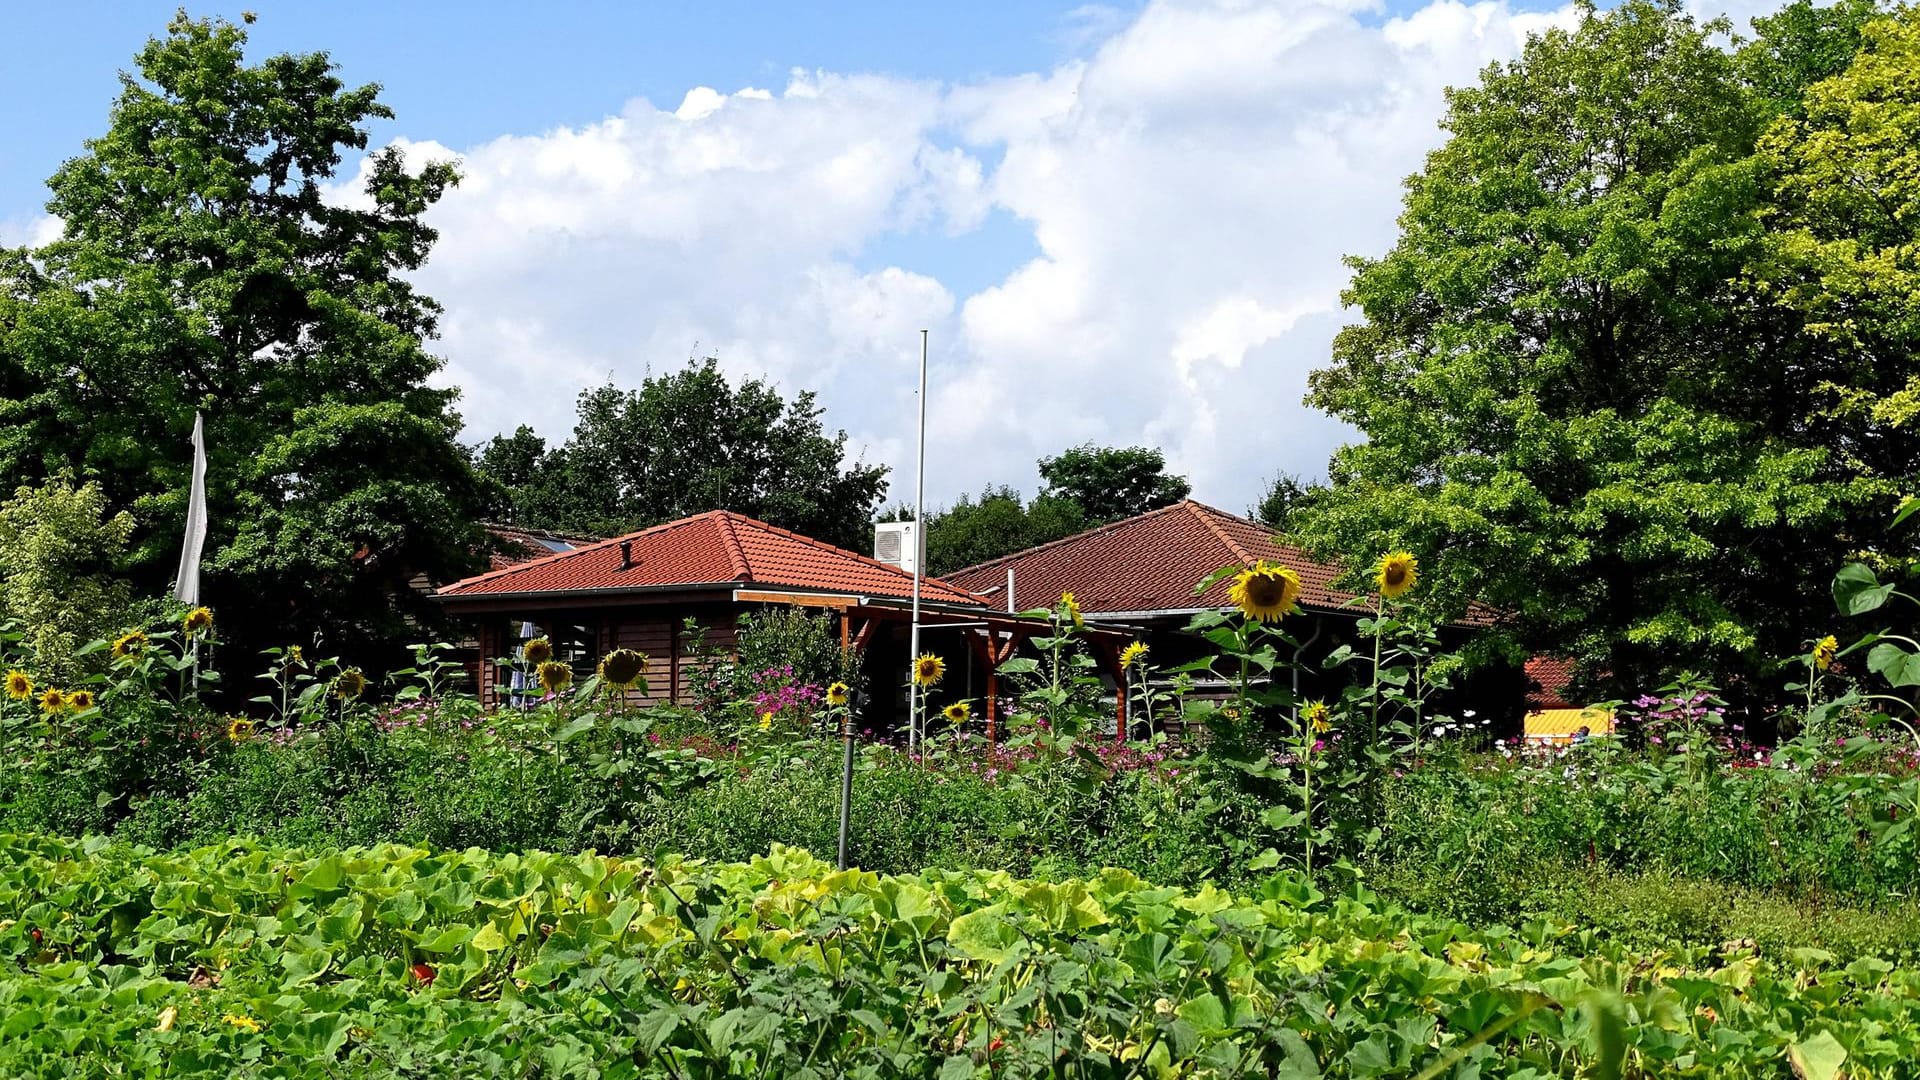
1121	224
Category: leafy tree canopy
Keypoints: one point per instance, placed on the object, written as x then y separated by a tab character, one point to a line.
60	546
976	530
684	443
1581	400
1110	483
202	266
1286	495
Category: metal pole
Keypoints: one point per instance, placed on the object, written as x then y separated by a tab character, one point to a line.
846	777
919	550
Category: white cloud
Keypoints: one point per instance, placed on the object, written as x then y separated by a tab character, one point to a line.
1191	185
29	231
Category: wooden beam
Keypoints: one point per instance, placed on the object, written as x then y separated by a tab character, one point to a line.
864	634
838	603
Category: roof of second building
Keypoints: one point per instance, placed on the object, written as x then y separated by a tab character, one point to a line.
715	548
1149	563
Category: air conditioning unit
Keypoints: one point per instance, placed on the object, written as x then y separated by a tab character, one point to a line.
899	543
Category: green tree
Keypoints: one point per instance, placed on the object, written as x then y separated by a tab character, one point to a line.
1576	405
59	549
976	530
1110	483
1285	495
1848	215
684	443
202	265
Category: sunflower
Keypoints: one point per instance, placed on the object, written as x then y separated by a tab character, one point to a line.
957	712
80	700
538	651
555	676
349	684
1315	716
622	668
129	644
52	701
239	729
296	657
19	685
1072	608
1824	652
198	621
1265	592
928	669
1396	574
1132	655
839	694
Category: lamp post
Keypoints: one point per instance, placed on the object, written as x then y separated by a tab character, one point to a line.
854	699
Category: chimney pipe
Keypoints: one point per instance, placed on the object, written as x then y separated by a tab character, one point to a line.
626	554
1010	604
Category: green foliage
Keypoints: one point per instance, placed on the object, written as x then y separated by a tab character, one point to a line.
1849	221
1580	402
397	961
686	442
1286	494
201	266
973	531
60	549
793	636
1110	483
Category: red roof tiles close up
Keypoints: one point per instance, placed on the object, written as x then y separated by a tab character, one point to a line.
718	548
1149	563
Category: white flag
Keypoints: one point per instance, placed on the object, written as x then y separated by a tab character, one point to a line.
186	587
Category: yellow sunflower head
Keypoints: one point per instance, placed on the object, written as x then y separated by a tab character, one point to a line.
1824	652
129	644
928	669
555	676
296	656
538	651
1316	716
52	701
1071	609
957	712
1396	575
1265	592
80	700
349	684
839	694
239	729
622	668
1132	654
19	685
198	621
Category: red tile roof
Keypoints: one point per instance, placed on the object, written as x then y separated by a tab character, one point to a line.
1547	679
719	548
1149	563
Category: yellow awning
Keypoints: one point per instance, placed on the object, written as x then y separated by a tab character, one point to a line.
1559	725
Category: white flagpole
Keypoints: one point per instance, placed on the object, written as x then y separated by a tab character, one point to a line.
919	550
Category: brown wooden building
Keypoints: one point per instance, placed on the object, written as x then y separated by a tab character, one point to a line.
638	591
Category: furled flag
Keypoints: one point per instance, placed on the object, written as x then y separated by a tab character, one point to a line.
186	587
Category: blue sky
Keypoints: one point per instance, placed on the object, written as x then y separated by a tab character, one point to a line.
1122	223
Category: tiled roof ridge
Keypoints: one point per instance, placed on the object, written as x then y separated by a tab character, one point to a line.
1209	519
531	564
736	555
824	546
1082	535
